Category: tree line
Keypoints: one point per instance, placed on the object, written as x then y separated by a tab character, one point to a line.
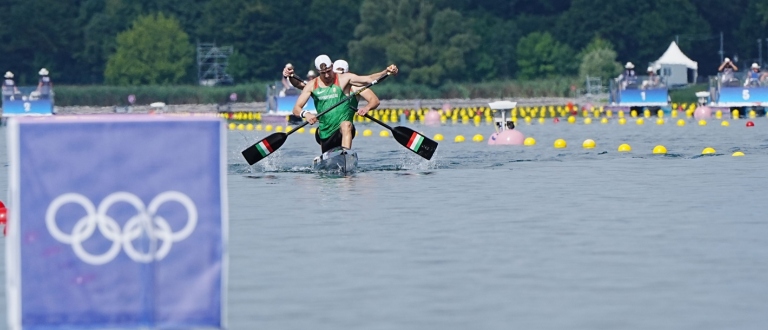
132	42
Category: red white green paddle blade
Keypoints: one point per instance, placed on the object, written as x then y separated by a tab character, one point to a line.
415	141
264	148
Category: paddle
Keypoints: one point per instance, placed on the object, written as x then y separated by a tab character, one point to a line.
268	145
414	141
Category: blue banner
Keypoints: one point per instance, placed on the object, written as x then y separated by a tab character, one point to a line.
124	222
743	96
644	97
27	108
286	103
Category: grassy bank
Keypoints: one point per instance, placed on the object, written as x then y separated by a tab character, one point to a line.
688	94
98	95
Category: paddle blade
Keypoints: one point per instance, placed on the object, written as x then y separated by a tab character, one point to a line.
264	148
415	141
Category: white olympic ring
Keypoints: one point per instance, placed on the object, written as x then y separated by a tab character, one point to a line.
146	220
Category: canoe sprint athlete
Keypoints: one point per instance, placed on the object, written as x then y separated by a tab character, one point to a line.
336	128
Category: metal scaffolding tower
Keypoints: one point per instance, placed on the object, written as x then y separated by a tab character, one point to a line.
212	63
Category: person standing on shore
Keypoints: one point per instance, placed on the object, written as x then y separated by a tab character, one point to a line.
9	87
336	128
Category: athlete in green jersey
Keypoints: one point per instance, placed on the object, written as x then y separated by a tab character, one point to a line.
327	89
372	102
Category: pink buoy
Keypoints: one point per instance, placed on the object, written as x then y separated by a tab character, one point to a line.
492	139
432	118
507	137
702	112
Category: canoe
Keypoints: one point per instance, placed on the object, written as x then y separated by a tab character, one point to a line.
336	160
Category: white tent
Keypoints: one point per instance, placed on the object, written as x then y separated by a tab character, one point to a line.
674	66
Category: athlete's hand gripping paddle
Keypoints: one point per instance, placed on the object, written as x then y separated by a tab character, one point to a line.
414	141
268	145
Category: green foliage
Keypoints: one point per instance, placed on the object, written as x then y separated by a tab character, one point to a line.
185	94
598	59
541	56
600	63
429	45
435	42
154	51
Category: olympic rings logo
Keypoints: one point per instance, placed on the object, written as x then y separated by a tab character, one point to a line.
145	221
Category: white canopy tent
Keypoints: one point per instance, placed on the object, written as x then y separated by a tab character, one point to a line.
674	66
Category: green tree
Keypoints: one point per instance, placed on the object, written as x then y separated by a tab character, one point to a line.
600	63
429	45
539	55
154	51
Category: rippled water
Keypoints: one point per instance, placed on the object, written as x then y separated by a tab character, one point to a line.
489	237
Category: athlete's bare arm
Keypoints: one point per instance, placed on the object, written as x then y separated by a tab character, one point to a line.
372	99
295	81
361	81
306	93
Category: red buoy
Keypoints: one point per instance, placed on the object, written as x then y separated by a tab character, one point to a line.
3	216
555	120
750	124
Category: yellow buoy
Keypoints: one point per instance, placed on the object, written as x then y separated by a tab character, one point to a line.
232	126
527	119
659	150
604	120
738	154
708	151
240	127
571	119
725	123
719	114
249	127
268	128
560	143
735	114
438	137
752	114
312	130
384	133
259	127
458	138
640	121
588	144
680	122
660	121
625	148
278	128
622	120
541	120
367	132
702	122
301	130
477	137
529	141
587	121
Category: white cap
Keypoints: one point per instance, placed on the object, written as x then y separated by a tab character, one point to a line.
629	65
341	66
650	69
755	66
289	65
323	59
727	60
43	72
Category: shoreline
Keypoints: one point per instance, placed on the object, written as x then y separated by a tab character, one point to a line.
385	104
